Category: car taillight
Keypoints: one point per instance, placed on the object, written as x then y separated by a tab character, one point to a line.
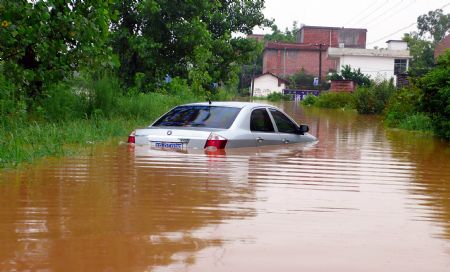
215	141
131	137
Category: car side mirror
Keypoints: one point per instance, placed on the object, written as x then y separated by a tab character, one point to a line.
302	129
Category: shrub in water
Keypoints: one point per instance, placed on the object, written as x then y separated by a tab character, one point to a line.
402	104
373	99
309	100
275	96
334	100
418	121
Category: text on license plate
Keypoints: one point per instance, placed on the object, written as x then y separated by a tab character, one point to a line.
168	145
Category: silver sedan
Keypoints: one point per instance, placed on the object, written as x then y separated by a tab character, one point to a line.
220	125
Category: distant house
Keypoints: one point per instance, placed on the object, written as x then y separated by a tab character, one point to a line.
309	52
258	37
268	83
379	64
442	46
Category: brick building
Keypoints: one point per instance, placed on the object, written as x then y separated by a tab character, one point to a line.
284	59
333	36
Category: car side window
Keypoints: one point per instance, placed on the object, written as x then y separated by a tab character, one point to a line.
260	121
284	124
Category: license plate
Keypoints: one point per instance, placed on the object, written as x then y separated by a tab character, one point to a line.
168	145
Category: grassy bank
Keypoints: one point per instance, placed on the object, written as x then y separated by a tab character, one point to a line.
72	116
26	141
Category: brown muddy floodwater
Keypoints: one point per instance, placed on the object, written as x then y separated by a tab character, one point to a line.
361	199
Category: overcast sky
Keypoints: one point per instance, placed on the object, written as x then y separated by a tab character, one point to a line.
384	20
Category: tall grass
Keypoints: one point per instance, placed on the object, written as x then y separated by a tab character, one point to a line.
417	122
330	100
78	114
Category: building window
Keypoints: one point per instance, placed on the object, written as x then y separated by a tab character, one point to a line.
400	66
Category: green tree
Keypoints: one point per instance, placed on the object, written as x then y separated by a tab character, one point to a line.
347	73
288	35
436	97
45	41
435	23
301	79
422	52
189	39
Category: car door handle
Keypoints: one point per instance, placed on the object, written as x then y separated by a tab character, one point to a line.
259	140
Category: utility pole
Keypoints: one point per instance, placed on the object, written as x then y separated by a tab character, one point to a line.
253	78
320	63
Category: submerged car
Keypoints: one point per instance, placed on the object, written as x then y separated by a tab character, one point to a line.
220	125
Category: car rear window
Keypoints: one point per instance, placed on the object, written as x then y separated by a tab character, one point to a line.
199	116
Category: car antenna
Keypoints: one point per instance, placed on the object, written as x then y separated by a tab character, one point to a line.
208	97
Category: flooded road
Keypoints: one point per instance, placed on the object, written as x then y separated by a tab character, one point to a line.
361	199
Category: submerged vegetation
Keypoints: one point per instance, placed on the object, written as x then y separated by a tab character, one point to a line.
423	106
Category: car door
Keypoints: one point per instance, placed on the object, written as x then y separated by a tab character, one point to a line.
262	128
287	129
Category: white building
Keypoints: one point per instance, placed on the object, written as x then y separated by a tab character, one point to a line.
268	83
379	64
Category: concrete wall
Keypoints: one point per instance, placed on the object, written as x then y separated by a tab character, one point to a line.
284	63
397	45
267	84
377	67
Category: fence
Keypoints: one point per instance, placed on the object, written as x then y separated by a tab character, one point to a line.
300	94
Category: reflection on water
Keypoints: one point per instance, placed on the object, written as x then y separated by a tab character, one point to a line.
360	199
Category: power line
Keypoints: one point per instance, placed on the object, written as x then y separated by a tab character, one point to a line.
403	28
395	10
368	15
361	13
393	33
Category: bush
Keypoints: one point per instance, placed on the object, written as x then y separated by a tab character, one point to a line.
373	99
309	100
402	104
278	97
13	106
436	98
347	73
61	103
301	78
418	121
334	100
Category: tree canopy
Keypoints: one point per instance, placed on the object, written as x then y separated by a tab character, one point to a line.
431	28
288	35
45	41
435	23
191	39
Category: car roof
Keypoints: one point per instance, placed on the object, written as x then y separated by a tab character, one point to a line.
236	104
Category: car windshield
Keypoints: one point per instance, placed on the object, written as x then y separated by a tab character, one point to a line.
199	116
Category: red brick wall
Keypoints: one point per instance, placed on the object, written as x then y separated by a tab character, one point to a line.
333	36
273	62
314	35
441	46
342	86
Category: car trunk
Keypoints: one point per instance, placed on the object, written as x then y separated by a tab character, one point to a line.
173	137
